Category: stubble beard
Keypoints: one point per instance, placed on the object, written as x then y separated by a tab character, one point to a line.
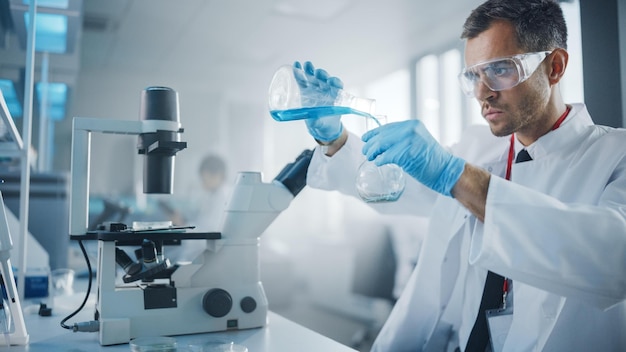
519	118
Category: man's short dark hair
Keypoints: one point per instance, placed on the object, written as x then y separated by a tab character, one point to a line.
539	24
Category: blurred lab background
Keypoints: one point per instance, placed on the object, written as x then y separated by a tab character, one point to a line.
328	262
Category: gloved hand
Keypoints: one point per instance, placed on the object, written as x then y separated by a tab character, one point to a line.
410	145
323	89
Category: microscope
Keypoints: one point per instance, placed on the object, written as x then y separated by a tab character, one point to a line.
148	296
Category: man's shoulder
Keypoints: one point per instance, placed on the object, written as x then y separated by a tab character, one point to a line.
609	135
599	142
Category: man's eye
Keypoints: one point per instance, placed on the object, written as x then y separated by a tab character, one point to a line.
499	71
471	76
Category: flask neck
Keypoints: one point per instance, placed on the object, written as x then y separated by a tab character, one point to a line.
365	105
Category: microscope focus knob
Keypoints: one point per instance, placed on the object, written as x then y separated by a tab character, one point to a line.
248	304
217	302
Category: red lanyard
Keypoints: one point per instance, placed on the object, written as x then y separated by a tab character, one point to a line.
509	165
509	162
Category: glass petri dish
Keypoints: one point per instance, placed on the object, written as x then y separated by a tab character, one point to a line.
153	344
218	347
229	347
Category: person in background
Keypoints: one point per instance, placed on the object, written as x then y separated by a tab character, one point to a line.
213	197
203	207
526	249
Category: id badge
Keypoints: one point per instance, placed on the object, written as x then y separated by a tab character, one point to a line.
499	321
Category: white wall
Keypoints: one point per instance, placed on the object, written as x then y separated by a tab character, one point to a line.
236	124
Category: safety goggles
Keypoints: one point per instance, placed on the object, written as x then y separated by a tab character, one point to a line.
501	73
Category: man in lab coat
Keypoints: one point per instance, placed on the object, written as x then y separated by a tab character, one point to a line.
553	228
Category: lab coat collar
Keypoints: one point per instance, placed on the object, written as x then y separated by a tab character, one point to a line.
576	121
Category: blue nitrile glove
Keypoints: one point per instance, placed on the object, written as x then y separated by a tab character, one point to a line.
410	145
317	84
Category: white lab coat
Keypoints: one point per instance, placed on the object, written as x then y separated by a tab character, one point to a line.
557	229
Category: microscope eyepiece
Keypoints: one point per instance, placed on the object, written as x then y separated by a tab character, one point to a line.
159	103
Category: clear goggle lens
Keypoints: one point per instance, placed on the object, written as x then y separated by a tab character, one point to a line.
502	73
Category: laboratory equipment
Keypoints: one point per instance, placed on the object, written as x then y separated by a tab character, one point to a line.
376	184
420	156
12	319
216	345
48	220
501	73
159	147
297	93
219	290
293	96
153	344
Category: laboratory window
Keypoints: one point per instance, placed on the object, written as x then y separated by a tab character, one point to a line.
392	93
439	101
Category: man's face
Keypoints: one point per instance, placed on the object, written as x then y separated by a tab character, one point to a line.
512	110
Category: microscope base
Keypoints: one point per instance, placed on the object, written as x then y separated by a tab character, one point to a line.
124	321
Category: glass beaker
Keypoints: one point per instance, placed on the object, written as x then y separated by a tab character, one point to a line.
293	97
383	183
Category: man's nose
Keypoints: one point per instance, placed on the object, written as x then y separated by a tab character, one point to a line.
482	91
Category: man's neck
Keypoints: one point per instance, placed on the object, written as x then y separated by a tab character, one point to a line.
530	134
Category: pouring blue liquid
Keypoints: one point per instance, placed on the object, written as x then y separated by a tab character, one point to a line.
316	113
376	174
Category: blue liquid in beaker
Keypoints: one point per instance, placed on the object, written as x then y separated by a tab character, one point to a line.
375	184
316	113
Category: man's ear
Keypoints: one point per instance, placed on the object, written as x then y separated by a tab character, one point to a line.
558	62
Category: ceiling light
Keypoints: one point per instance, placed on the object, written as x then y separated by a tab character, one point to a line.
55	4
50	33
58	23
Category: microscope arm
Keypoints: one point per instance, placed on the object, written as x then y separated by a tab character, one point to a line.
293	175
254	205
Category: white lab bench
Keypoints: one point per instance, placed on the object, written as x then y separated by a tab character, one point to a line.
279	335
